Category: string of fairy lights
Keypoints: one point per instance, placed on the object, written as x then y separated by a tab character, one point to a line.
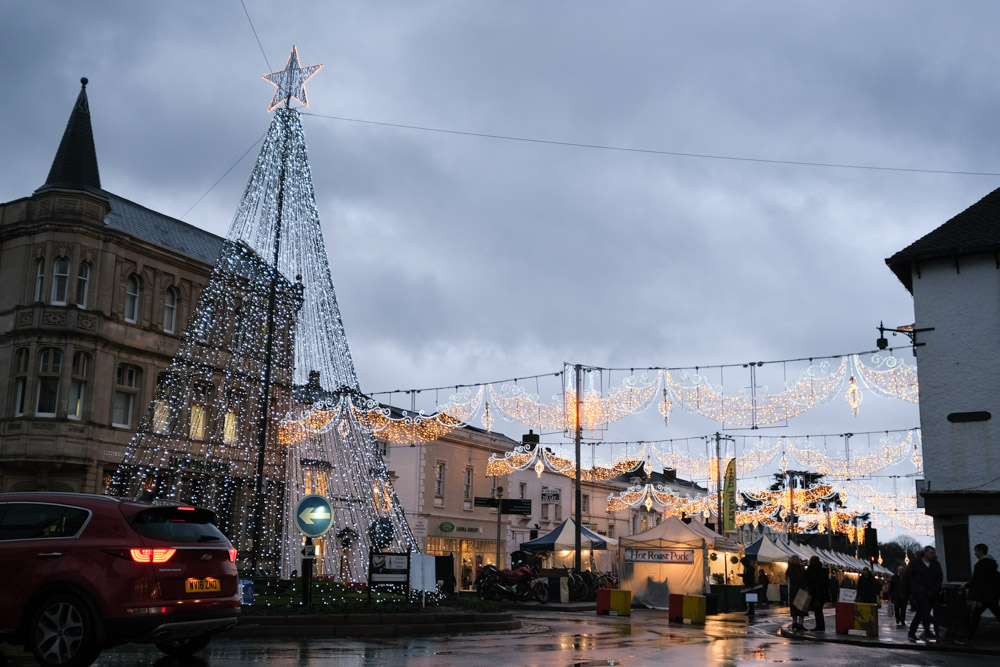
266	337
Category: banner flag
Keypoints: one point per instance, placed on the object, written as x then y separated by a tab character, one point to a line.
729	498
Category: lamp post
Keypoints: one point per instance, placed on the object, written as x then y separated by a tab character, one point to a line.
909	331
499	513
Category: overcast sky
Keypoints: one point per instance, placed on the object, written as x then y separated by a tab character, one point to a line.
460	259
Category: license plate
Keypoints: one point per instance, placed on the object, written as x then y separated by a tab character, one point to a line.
202	586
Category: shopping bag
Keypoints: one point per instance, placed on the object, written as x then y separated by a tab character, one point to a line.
802	599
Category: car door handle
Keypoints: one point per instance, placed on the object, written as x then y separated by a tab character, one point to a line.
51	554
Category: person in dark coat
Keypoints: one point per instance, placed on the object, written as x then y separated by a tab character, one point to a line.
897	595
763	582
749	583
984	587
923	581
834	588
795	580
868	588
817	582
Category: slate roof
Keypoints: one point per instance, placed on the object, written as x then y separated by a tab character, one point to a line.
75	168
974	230
131	218
75	164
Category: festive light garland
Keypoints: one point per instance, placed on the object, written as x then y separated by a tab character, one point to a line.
888	454
634	395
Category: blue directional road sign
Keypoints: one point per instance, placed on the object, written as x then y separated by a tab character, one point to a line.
313	516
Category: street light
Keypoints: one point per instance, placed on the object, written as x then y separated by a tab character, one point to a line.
909	331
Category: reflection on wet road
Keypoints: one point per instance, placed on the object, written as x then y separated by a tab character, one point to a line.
547	639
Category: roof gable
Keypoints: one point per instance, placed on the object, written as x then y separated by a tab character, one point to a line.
974	230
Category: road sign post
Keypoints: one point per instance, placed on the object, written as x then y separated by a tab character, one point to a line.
313	518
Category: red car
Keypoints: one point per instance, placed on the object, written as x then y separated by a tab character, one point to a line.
81	573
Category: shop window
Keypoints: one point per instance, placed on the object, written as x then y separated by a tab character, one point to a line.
197	430
78	385
127	378
229	428
132	298
170	310
956	552
439	479
20	380
49	367
60	281
82	284
39	278
161	416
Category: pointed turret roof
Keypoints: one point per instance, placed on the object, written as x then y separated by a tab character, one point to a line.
974	230
75	164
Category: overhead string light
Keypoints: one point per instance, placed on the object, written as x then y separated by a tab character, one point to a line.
265	341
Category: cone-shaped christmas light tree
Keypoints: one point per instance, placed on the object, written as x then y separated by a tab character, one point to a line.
266	342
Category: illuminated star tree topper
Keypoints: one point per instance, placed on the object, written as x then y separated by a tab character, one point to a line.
291	81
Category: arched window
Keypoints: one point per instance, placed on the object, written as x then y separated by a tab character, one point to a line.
49	367
127	382
78	385
82	283
39	279
60	281
20	380
132	301
170	310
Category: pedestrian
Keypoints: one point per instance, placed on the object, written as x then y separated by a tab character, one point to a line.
749	585
923	581
897	596
984	587
763	581
794	575
834	587
817	582
868	587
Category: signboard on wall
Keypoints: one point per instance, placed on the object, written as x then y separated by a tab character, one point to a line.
389	569
550	496
666	556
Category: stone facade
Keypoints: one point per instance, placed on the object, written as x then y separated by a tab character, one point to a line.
89	317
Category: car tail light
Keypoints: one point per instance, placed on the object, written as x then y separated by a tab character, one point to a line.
152	555
186	509
144	611
232	555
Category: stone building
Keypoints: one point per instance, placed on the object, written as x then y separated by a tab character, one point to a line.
97	291
953	274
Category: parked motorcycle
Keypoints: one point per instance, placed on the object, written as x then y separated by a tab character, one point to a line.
522	583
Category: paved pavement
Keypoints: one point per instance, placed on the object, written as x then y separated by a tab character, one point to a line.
550	639
986	642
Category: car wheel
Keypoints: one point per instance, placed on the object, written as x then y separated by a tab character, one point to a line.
63	633
180	648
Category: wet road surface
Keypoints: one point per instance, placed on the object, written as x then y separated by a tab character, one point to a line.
547	639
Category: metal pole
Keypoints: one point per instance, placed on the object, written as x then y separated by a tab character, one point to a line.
308	558
718	478
579	437
259	490
499	512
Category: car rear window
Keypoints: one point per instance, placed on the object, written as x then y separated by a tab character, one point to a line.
173	524
34	521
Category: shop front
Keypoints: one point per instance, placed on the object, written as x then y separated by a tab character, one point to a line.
466	542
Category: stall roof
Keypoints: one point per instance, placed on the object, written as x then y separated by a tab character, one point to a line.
766	551
563	536
672	532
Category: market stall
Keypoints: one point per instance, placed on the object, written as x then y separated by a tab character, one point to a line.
671	557
597	551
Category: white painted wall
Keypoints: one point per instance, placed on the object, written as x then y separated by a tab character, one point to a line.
959	370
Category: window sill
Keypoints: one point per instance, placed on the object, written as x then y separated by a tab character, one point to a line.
438	502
